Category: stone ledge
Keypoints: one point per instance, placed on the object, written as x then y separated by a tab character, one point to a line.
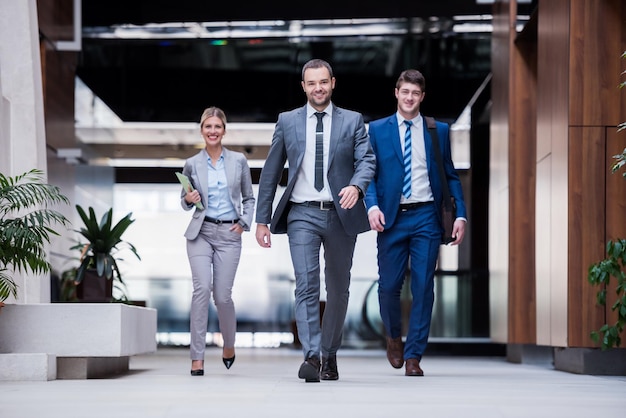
530	354
87	339
30	366
91	367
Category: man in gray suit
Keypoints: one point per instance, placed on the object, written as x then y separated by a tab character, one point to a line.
331	163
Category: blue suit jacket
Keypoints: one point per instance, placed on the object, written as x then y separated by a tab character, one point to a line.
385	189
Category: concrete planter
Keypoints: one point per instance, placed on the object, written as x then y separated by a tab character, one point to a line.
73	340
591	361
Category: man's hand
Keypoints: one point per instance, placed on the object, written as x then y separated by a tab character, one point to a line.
263	236
458	231
349	196
377	220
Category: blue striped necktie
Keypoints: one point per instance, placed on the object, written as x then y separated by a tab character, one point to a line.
406	184
319	152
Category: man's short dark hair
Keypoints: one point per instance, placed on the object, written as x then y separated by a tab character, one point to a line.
413	77
317	63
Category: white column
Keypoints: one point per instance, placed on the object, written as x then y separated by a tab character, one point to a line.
22	129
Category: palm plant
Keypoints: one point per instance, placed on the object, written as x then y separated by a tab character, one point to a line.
25	226
104	240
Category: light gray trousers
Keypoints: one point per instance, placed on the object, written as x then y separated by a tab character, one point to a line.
309	229
214	258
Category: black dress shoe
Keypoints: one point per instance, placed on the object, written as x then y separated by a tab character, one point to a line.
199	372
228	361
310	370
329	368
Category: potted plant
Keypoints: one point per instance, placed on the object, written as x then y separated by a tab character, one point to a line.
25	226
98	260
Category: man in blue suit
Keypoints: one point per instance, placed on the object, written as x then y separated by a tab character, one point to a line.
403	202
331	164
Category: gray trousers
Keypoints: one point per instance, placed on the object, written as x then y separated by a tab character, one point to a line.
214	258
308	229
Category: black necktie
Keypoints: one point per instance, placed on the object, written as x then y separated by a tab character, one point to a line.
319	152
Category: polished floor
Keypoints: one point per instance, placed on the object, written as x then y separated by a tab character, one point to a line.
264	383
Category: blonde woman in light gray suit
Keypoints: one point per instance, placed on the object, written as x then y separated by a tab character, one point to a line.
221	182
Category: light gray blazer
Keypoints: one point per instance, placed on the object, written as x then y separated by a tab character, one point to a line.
351	161
239	183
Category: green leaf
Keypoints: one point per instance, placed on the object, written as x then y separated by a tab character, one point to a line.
104	240
26	221
601	274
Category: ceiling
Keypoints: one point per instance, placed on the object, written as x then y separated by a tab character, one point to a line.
147	68
139	12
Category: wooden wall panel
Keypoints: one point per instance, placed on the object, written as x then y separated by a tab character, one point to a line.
615	208
499	174
595	65
579	43
56	19
58	73
557	65
543	257
551	157
586	229
522	168
595	109
615	185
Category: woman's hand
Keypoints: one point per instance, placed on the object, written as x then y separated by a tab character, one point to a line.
192	196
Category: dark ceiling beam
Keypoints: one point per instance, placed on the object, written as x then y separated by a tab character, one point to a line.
111	12
160	152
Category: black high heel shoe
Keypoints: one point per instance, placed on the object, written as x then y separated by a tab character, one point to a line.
228	362
197	372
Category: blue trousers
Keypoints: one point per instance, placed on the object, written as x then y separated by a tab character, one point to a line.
415	235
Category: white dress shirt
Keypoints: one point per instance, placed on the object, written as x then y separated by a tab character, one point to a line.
420	182
304	189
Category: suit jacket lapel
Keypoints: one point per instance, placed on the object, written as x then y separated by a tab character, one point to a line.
229	167
202	166
395	138
300	125
428	145
335	133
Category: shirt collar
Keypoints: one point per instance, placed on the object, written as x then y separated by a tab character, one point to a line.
206	154
310	110
416	120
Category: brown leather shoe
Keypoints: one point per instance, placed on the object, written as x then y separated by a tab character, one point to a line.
413	368
395	352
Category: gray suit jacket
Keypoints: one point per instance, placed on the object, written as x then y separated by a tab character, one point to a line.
351	161
239	183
